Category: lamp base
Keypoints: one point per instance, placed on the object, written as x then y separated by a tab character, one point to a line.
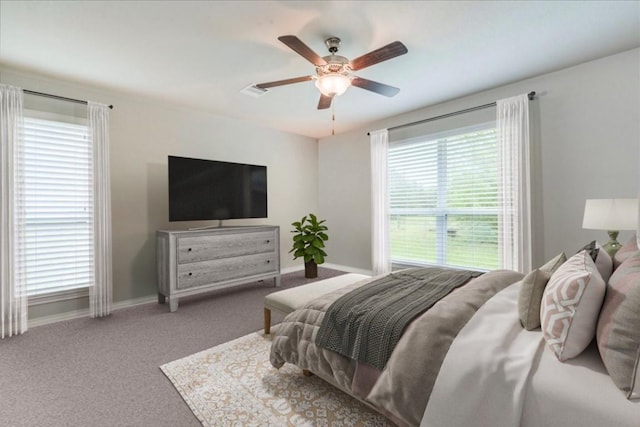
612	245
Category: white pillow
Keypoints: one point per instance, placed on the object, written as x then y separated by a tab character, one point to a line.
570	306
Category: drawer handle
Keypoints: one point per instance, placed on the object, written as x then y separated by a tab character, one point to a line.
189	250
190	274
268	241
268	261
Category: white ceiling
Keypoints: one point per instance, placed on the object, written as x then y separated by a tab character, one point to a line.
201	54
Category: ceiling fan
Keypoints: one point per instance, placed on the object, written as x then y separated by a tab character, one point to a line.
334	72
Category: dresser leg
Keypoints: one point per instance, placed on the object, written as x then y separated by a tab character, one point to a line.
173	304
161	298
276	281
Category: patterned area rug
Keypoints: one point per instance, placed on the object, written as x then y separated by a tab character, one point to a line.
234	384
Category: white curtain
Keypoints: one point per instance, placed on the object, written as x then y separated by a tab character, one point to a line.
100	293
381	256
13	296
514	183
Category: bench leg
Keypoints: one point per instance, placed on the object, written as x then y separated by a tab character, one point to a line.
267	321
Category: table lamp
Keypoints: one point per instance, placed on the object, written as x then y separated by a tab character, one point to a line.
612	215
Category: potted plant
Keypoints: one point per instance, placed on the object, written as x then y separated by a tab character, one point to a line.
308	241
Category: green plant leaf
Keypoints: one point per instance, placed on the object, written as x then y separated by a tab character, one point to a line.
319	259
308	238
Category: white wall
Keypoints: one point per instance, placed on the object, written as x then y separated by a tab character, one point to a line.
587	124
143	133
589	136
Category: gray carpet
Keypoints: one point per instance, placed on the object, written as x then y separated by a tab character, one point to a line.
104	372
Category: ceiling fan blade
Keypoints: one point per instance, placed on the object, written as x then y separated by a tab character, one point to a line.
382	54
284	82
325	102
376	87
303	50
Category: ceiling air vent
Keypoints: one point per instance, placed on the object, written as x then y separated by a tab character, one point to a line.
254	91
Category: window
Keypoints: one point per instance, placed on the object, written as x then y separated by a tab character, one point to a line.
443	198
55	206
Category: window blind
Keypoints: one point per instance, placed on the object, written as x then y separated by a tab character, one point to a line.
443	198
55	206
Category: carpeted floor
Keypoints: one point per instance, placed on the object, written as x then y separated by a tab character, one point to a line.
104	372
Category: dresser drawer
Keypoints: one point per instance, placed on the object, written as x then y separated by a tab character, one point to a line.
220	270
203	248
191	262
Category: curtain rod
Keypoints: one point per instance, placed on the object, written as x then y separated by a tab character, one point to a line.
530	95
61	98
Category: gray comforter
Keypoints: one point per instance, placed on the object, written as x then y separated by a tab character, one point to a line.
367	323
402	389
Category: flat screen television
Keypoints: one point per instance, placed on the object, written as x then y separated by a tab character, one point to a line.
208	190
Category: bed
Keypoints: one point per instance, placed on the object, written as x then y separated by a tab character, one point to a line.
467	360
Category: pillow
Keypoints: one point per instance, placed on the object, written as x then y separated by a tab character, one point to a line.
618	333
592	249
625	252
552	265
530	295
570	306
530	298
603	261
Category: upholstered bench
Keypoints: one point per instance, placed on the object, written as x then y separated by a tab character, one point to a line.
288	300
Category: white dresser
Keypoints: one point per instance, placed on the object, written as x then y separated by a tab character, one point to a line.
196	261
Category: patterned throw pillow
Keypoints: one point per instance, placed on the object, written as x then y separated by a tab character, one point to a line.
570	306
530	296
618	332
625	252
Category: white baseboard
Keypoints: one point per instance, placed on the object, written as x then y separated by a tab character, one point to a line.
339	267
347	269
76	314
291	269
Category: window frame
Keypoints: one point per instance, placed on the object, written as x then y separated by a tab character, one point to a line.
441	211
37	298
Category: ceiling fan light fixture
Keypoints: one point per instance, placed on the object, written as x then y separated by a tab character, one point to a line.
333	84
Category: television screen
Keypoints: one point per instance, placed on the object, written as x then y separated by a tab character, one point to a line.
206	189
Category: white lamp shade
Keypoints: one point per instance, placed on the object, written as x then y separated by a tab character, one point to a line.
611	214
333	84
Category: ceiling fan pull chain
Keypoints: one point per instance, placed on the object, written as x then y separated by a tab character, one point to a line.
333	119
